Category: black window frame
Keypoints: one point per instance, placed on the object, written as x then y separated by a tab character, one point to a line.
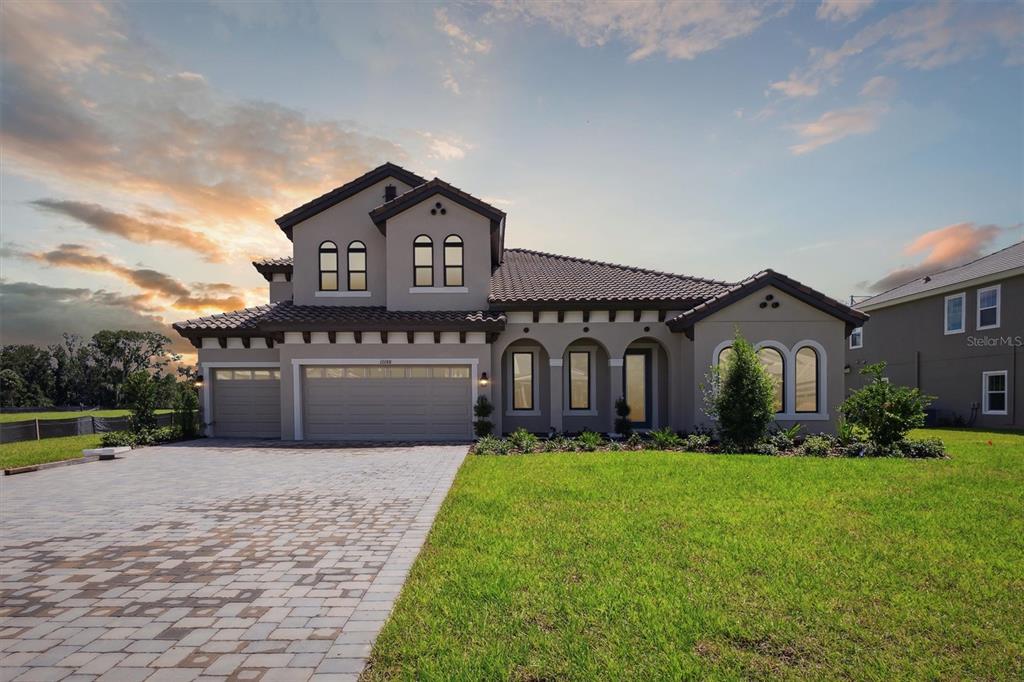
429	245
589	379
461	268
796	380
352	249
533	380
324	249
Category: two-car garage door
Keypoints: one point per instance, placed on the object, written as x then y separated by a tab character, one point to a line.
388	402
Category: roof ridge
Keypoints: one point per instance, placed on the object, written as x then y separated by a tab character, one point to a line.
629	268
429	184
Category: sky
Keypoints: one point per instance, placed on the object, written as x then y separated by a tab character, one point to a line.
146	148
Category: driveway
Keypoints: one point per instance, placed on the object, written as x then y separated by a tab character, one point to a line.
215	560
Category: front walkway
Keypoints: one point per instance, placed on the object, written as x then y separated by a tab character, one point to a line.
211	561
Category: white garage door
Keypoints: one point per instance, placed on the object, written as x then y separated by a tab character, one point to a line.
247	403
396	402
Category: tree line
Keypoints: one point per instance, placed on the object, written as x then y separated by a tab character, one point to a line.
93	372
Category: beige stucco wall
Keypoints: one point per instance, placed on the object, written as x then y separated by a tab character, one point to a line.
342	223
792	323
474	229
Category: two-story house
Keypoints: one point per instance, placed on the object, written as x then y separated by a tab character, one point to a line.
957	335
401	305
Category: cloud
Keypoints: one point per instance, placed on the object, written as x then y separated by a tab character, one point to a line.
879	87
450	83
679	30
920	37
160	227
842	10
943	248
459	37
446	148
833	126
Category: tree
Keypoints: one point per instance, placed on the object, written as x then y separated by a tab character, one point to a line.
886	411
33	368
742	396
70	361
482	410
140	397
119	354
186	403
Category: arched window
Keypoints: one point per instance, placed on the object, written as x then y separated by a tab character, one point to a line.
357	266
423	261
725	357
453	261
328	266
772	361
807	380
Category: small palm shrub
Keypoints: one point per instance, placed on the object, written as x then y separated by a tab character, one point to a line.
887	412
588	441
665	439
523	441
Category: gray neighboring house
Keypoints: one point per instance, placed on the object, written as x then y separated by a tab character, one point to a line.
400	305
957	335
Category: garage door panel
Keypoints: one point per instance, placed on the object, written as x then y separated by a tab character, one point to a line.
247	403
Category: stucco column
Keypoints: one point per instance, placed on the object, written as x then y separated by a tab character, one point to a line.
615	384
555	404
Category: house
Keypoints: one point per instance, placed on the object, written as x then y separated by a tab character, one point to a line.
957	335
401	305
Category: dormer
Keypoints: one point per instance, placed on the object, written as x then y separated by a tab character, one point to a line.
442	245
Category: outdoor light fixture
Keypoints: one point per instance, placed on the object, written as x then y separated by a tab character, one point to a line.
199	381
484	380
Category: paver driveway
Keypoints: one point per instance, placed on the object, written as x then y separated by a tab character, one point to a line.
211	561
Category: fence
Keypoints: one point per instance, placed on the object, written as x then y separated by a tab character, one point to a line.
36	429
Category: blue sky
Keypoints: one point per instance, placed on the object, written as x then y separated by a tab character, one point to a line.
148	147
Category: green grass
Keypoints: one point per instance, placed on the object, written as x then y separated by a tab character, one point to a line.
46	450
6	417
674	566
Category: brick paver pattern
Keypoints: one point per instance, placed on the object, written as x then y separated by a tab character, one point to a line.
211	562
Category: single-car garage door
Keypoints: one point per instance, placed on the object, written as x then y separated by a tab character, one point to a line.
247	403
394	402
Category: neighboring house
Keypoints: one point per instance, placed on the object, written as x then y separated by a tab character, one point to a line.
956	335
401	305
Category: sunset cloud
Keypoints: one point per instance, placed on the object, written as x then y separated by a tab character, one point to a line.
943	248
843	10
833	126
460	38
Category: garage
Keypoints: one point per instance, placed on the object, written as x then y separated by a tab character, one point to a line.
391	402
247	403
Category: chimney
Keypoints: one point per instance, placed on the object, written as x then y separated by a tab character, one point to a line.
390	192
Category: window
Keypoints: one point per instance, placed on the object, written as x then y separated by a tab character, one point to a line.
807	380
954	318
772	361
988	307
579	380
993	392
423	261
857	338
453	261
522	381
357	266
328	266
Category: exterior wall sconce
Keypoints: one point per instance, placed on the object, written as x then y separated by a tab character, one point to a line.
484	381
199	381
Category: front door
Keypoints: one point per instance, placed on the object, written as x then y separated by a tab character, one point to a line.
637	381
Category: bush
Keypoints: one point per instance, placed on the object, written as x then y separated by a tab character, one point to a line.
816	446
489	445
665	439
635	442
118	439
765	447
885	411
523	441
697	442
140	398
742	396
559	443
615	446
588	441
623	426
784	439
483	426
140	438
186	405
923	448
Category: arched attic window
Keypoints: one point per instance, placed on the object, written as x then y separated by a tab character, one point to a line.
328	266
423	261
357	266
453	263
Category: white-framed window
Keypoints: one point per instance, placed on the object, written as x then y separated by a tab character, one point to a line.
857	338
994	392
988	307
955	314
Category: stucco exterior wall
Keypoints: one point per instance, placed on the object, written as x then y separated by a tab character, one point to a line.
910	337
403	229
788	325
343	223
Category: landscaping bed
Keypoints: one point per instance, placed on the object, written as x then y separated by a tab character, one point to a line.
672	565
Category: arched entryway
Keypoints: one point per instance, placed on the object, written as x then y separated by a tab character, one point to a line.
645	383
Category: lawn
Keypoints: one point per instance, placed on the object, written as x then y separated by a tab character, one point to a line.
6	417
673	566
46	450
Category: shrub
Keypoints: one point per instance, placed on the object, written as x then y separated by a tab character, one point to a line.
623	426
523	441
140	398
742	396
483	426
697	442
765	447
816	446
615	446
665	439
847	433
887	412
487	445
588	441
118	439
186	404
923	448
140	438
635	442
560	443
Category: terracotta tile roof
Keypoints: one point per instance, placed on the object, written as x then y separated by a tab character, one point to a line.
735	292
286	316
527	277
